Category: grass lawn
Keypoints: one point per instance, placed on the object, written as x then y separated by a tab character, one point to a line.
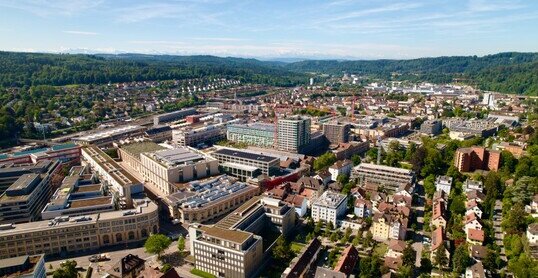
201	273
296	246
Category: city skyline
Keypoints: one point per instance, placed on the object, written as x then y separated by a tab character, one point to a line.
344	29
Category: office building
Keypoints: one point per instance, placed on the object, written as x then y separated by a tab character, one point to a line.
24	199
166	168
173	116
476	158
79	194
23	267
431	127
336	132
234	246
244	165
391	178
199	136
293	133
329	207
130	153
68	235
201	201
106	137
256	134
110	173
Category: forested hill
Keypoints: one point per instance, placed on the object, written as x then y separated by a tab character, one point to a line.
19	69
509	72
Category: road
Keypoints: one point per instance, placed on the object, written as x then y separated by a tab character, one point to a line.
499	235
418	210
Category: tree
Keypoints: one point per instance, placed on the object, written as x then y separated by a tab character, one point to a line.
317	228
425	265
282	251
515	221
441	260
457	205
325	160
156	244
409	256
342	179
461	259
165	268
181	244
405	271
429	185
67	269
356	159
334	237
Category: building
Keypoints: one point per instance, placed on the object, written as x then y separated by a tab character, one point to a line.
329	207
304	264
438	218
199	136
110	173
363	208
293	134
9	173
389	177
108	136
64	153
173	116
532	233
130	153
65	235
347	150
514	149
166	168
336	132
476	158
471	185
159	134
438	240
129	266
24	199
79	194
23	267
389	225
476	271
256	134
201	201
234	246
431	127
443	183
340	167
347	261
244	164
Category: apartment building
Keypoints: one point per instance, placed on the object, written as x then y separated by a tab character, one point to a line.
329	207
244	164
166	168
234	246
347	150
201	201
293	133
340	167
387	226
65	235
24	199
110	173
336	132
477	158
391	178
256	134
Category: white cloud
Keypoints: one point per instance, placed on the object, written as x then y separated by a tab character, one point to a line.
47	8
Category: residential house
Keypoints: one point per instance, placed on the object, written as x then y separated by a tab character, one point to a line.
472	207
363	208
438	215
475	237
443	183
438	240
341	167
471	222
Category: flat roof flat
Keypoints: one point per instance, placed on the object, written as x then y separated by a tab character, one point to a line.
141	147
91	202
178	156
236	236
23	182
246	155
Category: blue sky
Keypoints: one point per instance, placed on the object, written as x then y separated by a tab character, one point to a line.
276	28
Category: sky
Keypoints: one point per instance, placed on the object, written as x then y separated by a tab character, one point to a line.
346	29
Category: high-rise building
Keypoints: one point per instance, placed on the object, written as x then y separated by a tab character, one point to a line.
293	133
336	132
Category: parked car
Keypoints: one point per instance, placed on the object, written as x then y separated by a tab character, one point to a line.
99	258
